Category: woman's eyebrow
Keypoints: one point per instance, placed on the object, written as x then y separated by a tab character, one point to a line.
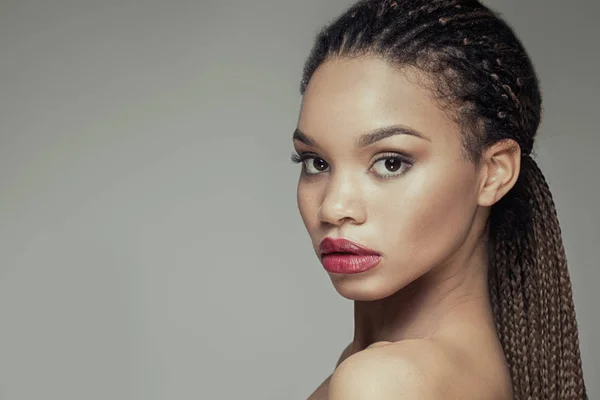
368	138
303	137
385	132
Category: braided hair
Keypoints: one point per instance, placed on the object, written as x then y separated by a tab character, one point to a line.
482	74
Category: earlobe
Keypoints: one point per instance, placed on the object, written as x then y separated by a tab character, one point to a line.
501	164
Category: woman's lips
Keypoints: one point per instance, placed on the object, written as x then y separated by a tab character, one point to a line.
349	263
343	256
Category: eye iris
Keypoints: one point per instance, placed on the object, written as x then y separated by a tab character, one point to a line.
320	165
392	164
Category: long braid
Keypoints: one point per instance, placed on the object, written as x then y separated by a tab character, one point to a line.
478	65
541	307
569	381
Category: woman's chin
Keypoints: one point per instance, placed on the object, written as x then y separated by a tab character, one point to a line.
361	287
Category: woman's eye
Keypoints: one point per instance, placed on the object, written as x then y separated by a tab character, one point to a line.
314	165
390	166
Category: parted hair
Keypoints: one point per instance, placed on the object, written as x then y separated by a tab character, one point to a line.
480	72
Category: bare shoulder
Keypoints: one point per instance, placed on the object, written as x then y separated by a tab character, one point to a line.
412	369
415	369
321	392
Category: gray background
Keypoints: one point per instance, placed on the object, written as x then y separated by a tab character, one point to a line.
150	245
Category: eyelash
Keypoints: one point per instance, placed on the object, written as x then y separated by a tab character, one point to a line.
298	158
406	161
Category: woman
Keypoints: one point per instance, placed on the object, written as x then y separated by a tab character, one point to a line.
425	207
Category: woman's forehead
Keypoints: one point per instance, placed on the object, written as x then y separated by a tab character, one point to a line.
362	94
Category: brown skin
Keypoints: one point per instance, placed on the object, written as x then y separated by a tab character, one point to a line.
422	315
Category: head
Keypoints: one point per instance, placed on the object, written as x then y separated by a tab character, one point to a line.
384	166
415	133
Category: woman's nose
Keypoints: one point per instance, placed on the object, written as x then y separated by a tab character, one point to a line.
342	203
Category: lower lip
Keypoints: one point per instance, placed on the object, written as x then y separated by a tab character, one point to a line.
350	263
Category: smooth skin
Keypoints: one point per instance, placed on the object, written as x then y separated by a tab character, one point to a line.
383	166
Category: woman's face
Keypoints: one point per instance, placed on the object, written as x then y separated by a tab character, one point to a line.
404	191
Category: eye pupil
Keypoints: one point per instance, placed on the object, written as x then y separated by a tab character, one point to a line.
392	164
319	164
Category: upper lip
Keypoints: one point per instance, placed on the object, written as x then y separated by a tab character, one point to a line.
331	245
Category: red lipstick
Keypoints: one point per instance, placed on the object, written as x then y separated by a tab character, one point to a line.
341	256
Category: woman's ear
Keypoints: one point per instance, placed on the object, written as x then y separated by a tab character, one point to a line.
500	167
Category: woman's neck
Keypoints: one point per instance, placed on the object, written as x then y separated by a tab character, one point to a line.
444	295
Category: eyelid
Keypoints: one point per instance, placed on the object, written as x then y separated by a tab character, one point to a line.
300	156
303	155
394	154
